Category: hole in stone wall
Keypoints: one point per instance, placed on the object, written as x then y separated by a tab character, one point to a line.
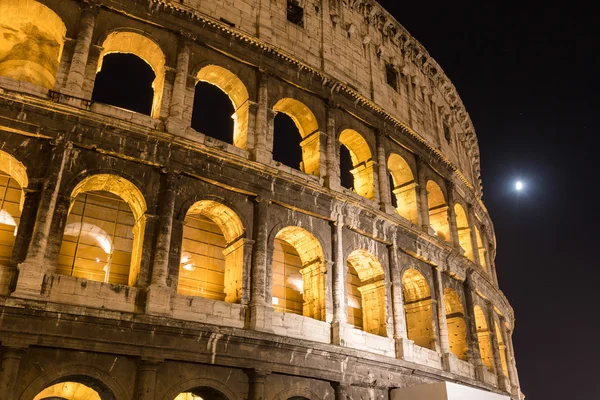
346	177
212	112
295	13
125	81
286	142
391	76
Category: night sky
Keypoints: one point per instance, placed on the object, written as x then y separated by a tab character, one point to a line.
528	78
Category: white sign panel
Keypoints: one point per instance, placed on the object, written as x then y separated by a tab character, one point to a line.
444	391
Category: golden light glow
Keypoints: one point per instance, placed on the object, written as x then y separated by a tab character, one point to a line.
418	309
502	348
139	45
464	231
362	162
481	250
365	284
404	188
485	342
68	391
438	211
229	83
32	42
309	130
11	202
457	327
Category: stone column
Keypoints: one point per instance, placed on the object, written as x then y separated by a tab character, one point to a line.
33	269
489	316
512	364
340	390
399	318
438	287
385	200
181	75
260	151
472	339
256	381
260	311
30	203
452	217
332	179
158	299
81	52
9	371
473	235
146	383
340	311
422	202
513	380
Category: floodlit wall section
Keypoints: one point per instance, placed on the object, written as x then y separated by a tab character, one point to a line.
287	279
229	83
485	340
457	326
68	391
502	348
307	125
418	309
438	211
362	162
464	231
404	188
481	250
144	48
11	196
32	42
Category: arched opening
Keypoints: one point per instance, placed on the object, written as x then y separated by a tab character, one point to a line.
346	177
13	178
464	231
418	309
403	188
202	393
483	336
481	249
212	253
125	81
32	42
362	162
502	348
76	388
438	211
238	95
104	233
366	292
457	326
145	49
213	112
298	273
294	117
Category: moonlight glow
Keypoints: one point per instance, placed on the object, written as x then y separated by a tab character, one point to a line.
519	186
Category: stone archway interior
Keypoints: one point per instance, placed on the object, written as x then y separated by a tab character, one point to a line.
202	393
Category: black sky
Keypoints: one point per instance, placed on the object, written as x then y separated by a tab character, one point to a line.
528	77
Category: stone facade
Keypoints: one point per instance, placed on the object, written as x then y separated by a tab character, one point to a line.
389	296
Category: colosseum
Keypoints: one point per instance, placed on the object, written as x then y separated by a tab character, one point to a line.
144	256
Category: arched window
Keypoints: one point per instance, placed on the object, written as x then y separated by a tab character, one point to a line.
212	112
286	140
418	309
145	49
464	231
125	81
212	253
485	342
502	348
403	188
238	95
68	391
298	273
32	42
362	162
104	231
13	178
202	393
481	249
457	326
366	291
438	211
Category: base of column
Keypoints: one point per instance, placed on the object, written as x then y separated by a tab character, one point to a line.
504	384
449	362
404	349
30	281
262	156
387	208
159	301
480	371
7	276
260	318
176	126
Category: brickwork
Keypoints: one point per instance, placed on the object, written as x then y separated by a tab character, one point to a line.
228	275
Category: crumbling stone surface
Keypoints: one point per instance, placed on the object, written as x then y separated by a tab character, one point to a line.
424	282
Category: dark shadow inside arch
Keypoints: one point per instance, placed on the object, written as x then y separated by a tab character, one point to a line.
125	81
346	177
208	393
103	391
286	141
298	398
212	111
392	194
